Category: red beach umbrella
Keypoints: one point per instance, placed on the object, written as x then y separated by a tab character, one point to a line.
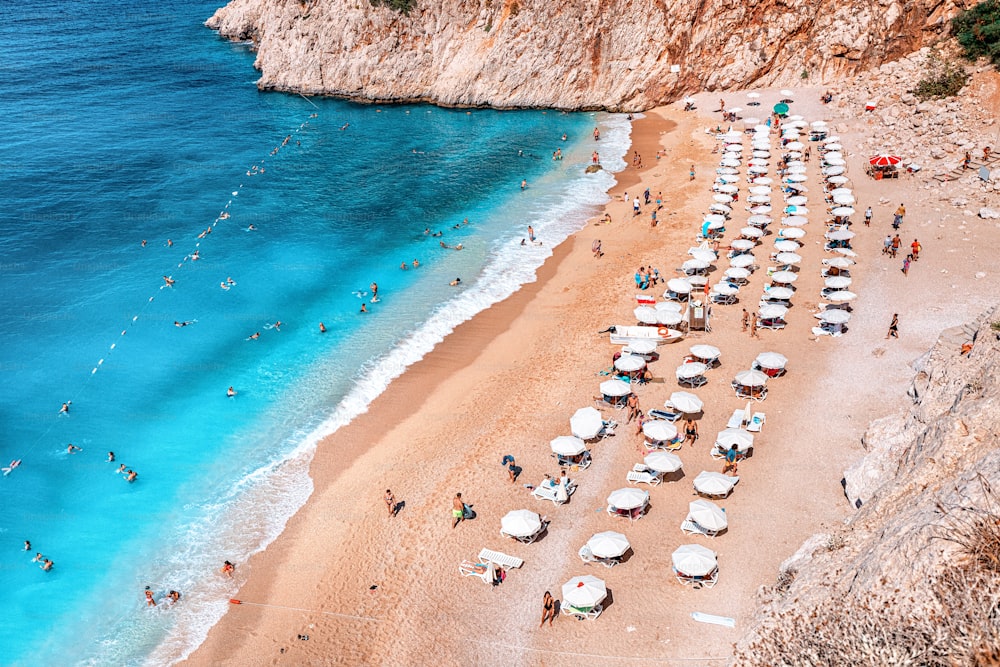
885	160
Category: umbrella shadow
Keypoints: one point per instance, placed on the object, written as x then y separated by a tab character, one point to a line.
675	476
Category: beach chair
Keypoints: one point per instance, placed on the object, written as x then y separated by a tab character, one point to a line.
774	323
485	571
754	394
645	477
756	422
582	464
500	558
582	613
707	581
664	414
691	528
546	491
736	421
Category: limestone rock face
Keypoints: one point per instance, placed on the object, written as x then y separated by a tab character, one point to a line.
582	54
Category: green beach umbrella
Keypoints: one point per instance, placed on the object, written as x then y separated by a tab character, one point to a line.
781	108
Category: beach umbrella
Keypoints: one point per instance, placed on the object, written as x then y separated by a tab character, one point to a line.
780	108
615	388
658	430
795	221
694	265
785	277
742	261
702	351
818	123
840	235
839	262
837	282
691	370
782	245
667	306
796	210
841	191
838	180
568	445
833	171
737	273
679	285
771	360
779	294
796	167
728	178
725	289
586	423
729	162
520	523
788	258
842	296
760	190
669	318
772	311
832	146
759	220
846	252
727	189
843	200
628	363
833	161
728	170
608	544
693	560
716	207
760	210
761	153
796	178
736	148
796	187
641	346
735	110
753	95
759	199
714	483
795	145
763	180
796	200
792	233
662	461
884	160
743	245
702	254
835	316
628	498
752	378
722	199
584	592
734	436
707	514
732	135
645	314
685	401
842	211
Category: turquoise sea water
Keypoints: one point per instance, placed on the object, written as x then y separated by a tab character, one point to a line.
128	124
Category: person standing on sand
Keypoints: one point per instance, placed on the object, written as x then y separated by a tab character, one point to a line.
690	432
691	173
896	242
893	327
548	609
633	407
457	509
887	245
745	319
390	502
906	265
635	206
731	460
753	326
868	217
915	249
596	248
508	462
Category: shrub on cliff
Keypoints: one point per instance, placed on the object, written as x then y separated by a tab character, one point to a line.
943	78
978	31
401	6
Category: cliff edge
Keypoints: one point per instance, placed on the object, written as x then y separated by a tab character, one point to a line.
621	55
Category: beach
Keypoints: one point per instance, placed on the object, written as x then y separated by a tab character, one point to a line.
367	588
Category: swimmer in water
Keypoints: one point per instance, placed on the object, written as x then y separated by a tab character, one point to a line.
38	558
363	308
194	256
344	126
564	137
111	457
27	545
144	243
64	410
416	264
403	266
224	215
230	282
121	469
437	234
230	392
459	246
150	602
47	565
130	476
251	228
322	328
170	243
254	336
456	281
168	281
183	324
12	467
427	231
224	286
173	596
524	183
72	449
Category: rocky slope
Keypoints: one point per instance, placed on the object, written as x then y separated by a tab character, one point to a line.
927	472
613	54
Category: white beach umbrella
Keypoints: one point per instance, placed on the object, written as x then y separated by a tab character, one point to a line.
729	162
615	388
844	200
786	246
716	207
795	168
737	273
842	296
586	423
751	378
788	258
840	235
693	560
743	244
734	436
763	209
568	445
703	351
726	169
753	95
628	498
841	191
835	155
728	178
751	232
796	200
685	401
742	261
795	145
847	252
608	544
771	360
762	180
784	277
658	430
727	189
732	135
758	169
691	370
772	311
760	153
584	592
837	282
679	285
818	123
667	306
779	294
669	318
642	346
629	363
708	515
725	289
839	262
662	461
792	233
833	139
722	199
645	314
714	483
838	180
759	220
841	211
835	316
796	187
708	256
760	190
796	210
694	265
833	146
735	110
520	523
833	161
796	178
833	171
759	199
795	221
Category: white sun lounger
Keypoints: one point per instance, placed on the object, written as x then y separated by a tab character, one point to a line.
469	569
500	558
756	422
545	492
582	613
644	477
707	581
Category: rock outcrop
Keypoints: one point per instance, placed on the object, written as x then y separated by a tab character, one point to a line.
927	471
613	54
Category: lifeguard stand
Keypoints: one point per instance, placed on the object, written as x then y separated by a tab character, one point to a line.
699	315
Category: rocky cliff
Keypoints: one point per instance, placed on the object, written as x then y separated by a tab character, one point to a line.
580	54
914	577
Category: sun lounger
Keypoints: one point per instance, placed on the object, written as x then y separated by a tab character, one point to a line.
500	558
756	422
707	581
643	478
587	556
691	528
664	414
484	571
545	491
736	421
582	613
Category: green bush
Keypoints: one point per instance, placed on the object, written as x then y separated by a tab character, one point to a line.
978	31
401	6
943	78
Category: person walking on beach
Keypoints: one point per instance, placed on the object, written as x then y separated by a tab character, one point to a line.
893	327
633	407
690	432
390	502
548	609
915	250
731	460
150	602
228	569
896	242
745	319
691	173
753	326
887	245
635	206
906	265
531	233
897	218
868	217
508	462
457	509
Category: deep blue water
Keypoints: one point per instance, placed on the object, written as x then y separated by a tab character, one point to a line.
127	124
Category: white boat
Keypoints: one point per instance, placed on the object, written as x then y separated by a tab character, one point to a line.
625	335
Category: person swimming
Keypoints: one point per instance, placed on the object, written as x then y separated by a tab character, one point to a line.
456	281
